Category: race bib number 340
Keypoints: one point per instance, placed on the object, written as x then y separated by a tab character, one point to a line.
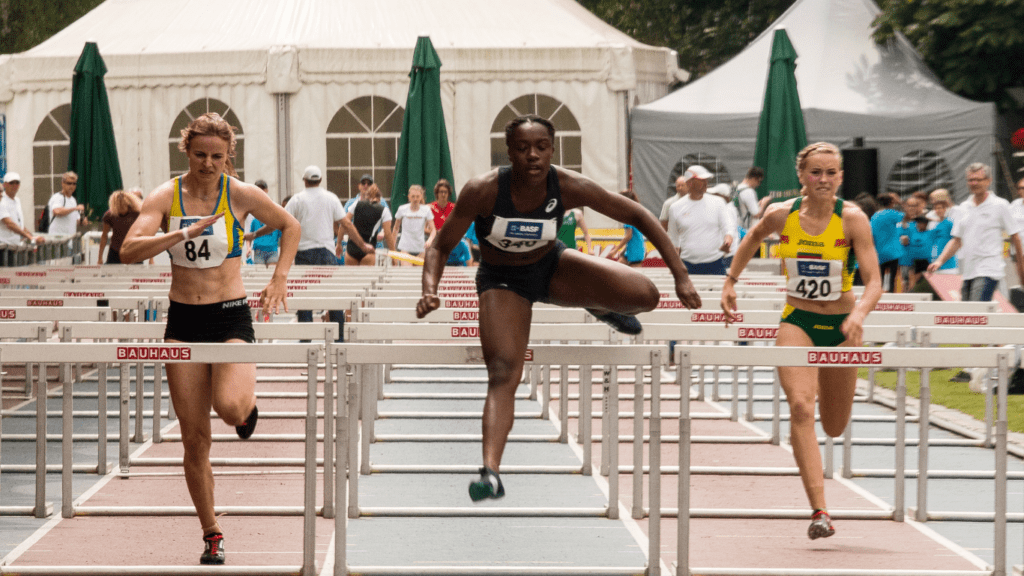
812	279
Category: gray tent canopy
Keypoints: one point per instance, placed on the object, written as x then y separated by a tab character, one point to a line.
849	87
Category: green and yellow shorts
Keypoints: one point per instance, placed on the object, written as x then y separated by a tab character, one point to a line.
823	329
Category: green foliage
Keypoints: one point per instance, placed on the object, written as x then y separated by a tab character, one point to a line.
705	33
974	46
26	23
953	395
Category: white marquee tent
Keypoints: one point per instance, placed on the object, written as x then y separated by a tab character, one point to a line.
287	67
849	87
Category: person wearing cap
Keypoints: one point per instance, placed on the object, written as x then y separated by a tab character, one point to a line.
13	229
699	225
319	211
365	181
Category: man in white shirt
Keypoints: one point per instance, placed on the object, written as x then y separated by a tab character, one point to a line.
65	211
746	197
978	236
318	211
699	225
697	172
12	221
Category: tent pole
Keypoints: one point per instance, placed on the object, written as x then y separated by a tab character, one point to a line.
284	146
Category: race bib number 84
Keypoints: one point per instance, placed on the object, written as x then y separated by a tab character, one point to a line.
811	279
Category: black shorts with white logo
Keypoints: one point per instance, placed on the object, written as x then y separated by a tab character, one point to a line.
530	281
218	322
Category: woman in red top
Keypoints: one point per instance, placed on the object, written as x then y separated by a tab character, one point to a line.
441	207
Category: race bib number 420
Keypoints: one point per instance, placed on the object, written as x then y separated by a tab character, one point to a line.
811	279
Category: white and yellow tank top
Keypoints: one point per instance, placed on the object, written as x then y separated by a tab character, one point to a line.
817	267
217	242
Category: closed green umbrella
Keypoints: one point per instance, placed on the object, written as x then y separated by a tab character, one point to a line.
780	131
423	156
93	153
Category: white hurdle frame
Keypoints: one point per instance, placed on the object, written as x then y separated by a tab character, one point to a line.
198	353
41	509
799	356
349	355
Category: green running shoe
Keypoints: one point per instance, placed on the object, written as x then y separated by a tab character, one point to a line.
488	486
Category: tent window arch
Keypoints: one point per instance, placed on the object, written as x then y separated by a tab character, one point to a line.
50	149
179	162
718	170
922	170
362	138
568	143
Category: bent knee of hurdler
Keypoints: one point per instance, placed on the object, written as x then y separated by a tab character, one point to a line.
503	373
233	413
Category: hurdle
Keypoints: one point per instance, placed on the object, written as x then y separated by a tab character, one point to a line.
796	356
348	355
150	331
933	336
193	353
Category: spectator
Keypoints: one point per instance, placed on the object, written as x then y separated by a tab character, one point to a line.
867	203
124	210
461	255
414	224
941	234
631	250
441	207
887	239
746	198
567	231
364	186
368	218
13	229
264	240
913	207
978	229
723	192
680	193
474	244
1017	206
317	211
700	227
65	211
918	249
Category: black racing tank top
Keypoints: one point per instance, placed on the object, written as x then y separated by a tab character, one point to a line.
367	218
508	230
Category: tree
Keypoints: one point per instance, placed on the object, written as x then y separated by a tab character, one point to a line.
26	23
705	33
975	47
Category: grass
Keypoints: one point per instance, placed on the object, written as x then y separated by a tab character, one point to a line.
954	395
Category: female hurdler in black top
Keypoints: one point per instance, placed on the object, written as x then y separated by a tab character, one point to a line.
518	211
